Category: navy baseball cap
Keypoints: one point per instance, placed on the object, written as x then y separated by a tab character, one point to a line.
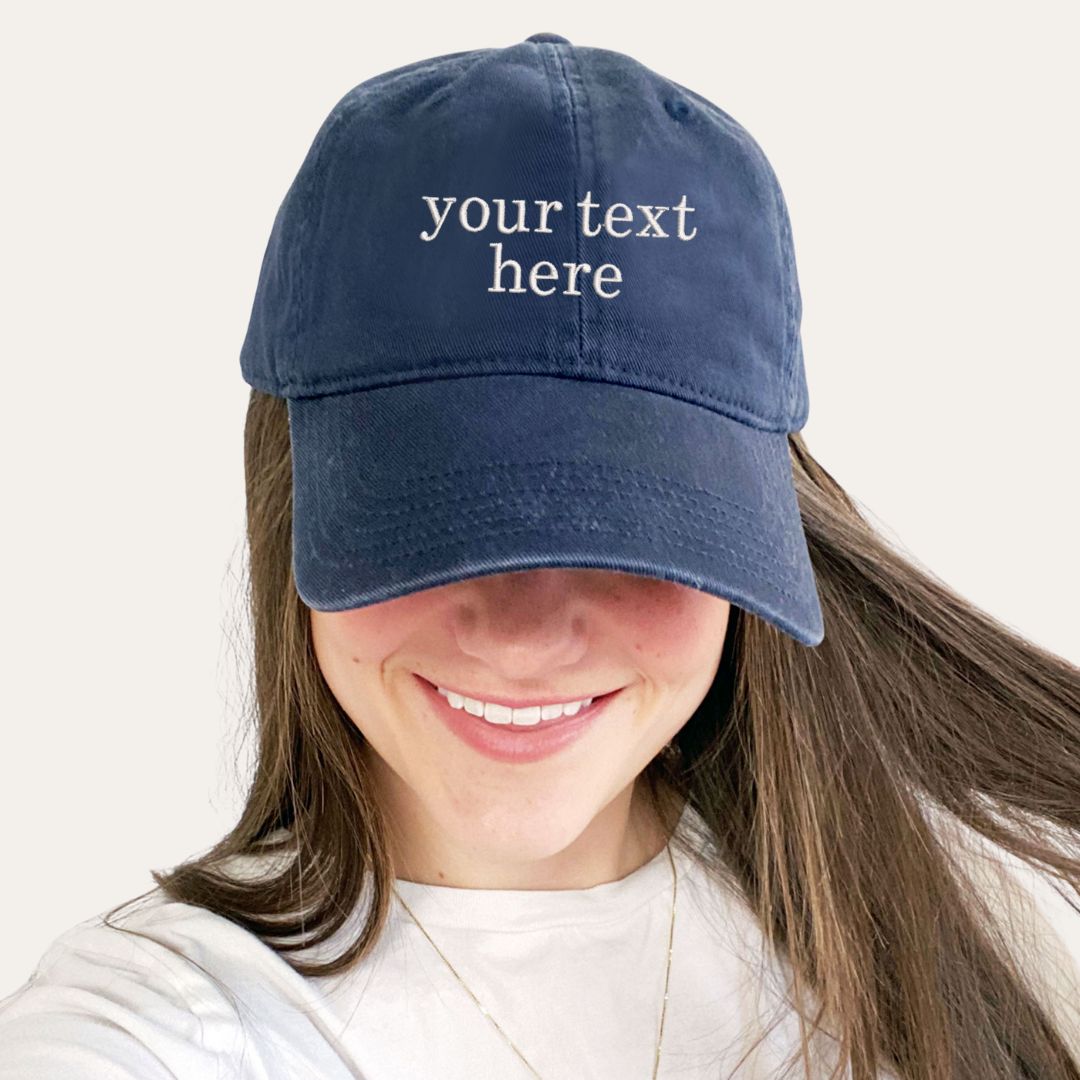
537	306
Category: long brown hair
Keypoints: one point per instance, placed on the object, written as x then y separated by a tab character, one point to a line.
815	772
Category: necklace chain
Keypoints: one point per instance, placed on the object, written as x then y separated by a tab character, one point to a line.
484	1010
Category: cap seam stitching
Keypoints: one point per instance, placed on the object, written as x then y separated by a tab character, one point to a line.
557	53
659	388
754	554
373	558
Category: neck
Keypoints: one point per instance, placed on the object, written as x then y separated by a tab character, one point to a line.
625	835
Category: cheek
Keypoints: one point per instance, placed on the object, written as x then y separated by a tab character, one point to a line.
677	628
368	635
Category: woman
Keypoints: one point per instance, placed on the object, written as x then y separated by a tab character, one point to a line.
599	733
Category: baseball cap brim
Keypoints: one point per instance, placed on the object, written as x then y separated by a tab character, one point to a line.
420	484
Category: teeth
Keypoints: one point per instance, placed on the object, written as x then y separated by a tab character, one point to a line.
502	714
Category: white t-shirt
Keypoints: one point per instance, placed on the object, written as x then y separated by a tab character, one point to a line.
574	977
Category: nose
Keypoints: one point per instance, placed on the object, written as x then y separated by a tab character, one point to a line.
523	625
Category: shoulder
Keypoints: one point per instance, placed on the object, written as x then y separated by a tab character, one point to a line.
132	999
166	991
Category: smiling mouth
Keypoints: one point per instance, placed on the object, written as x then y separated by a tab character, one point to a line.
516	743
542	702
543	722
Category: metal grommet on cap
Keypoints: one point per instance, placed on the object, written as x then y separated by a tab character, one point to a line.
556	38
677	108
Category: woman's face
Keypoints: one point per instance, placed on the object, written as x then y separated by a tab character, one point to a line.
530	635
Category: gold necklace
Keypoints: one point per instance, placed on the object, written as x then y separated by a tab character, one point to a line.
483	1008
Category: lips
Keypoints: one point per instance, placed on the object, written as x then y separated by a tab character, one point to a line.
521	703
514	742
